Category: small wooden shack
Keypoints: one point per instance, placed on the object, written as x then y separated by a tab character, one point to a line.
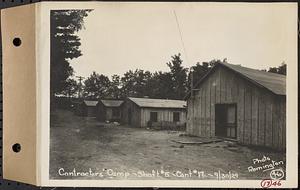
109	110
146	112
240	103
87	108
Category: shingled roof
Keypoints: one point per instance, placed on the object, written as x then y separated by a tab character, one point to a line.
275	83
112	103
158	103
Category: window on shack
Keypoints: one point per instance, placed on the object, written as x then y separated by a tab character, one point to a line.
176	116
153	116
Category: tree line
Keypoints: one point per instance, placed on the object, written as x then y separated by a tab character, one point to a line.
173	84
65	45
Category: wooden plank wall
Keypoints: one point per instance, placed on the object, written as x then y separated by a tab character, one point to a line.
135	113
212	107
162	115
109	115
101	116
260	114
255	117
189	117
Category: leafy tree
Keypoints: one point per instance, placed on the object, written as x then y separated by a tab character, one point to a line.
279	70
114	90
161	85
179	76
71	88
64	45
141	86
134	83
200	70
127	83
96	86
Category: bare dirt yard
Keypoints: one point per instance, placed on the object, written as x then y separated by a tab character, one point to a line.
83	148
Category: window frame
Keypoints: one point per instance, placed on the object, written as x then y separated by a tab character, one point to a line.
178	116
156	116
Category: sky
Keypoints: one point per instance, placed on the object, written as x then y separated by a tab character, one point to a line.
123	36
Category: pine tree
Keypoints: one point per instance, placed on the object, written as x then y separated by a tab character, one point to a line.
65	45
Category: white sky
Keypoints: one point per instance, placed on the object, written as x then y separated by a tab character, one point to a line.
119	37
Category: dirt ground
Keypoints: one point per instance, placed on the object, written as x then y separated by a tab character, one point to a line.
83	148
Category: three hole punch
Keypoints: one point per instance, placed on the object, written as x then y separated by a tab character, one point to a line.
16	147
17	42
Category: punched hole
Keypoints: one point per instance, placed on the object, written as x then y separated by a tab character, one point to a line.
17	42
16	147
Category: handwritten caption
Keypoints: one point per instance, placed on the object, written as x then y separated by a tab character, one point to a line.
267	183
264	164
113	173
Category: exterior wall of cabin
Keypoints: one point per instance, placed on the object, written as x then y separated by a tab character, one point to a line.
101	112
261	115
130	111
90	111
106	113
110	115
163	114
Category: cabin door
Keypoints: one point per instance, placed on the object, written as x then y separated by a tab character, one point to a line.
226	125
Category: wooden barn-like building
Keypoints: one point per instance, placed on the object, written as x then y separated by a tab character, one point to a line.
143	112
240	103
87	108
109	110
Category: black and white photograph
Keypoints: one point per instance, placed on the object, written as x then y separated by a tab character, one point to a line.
169	91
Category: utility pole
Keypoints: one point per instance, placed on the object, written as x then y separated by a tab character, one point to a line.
184	50
80	78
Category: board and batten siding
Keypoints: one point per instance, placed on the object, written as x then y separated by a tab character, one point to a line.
261	115
163	114
101	112
135	113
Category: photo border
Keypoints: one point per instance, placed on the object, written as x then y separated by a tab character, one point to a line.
43	110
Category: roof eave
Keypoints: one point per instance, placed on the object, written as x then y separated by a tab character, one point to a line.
251	80
238	73
162	107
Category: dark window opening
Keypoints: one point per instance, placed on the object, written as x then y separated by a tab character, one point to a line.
176	116
153	116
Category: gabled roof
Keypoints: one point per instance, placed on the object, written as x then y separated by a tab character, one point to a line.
158	103
90	102
275	83
272	81
112	103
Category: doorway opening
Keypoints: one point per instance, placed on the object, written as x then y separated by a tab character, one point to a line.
226	120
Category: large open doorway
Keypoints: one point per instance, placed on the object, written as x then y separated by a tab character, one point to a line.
226	121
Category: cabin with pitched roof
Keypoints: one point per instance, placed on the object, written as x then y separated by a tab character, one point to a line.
87	108
109	110
146	112
239	103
